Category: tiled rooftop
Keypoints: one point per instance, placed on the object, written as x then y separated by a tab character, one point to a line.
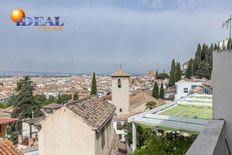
120	73
7	148
7	120
93	110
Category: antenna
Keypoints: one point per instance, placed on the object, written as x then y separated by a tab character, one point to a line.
227	24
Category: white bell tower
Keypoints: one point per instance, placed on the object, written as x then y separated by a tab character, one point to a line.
120	91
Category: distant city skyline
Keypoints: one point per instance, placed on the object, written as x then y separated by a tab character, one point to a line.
98	36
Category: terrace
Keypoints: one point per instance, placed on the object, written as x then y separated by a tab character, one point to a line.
189	114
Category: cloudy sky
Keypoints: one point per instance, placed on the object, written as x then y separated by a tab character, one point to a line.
99	35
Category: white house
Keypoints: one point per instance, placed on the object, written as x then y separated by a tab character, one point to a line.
184	88
48	94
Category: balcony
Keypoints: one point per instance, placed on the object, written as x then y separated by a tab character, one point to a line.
211	140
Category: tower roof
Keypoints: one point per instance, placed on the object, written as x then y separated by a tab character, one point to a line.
120	73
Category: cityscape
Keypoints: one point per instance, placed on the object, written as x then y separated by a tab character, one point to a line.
142	77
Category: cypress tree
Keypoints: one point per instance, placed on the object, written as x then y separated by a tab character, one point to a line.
155	92
93	85
156	74
178	72
76	96
189	71
161	94
229	44
172	78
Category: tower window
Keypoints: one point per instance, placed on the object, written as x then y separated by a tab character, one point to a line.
119	83
120	110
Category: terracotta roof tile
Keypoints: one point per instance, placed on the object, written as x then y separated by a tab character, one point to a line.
7	148
7	120
93	110
120	73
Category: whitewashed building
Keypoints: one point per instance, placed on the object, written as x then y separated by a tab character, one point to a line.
184	88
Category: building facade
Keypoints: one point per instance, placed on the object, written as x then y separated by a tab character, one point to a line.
81	127
120	91
183	88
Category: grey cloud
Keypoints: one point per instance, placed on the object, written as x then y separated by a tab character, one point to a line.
100	38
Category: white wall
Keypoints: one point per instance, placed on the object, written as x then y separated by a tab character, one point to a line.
26	130
120	132
120	96
181	85
222	90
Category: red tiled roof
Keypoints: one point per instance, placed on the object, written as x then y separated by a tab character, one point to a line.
7	148
7	120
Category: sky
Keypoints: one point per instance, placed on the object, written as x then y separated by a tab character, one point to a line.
99	35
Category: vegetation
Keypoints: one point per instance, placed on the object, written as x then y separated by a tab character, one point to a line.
24	106
155	91
161	75
63	98
149	143
161	92
150	105
201	65
94	85
172	78
229	44
76	96
175	73
178	72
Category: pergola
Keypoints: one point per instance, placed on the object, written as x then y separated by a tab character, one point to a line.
190	113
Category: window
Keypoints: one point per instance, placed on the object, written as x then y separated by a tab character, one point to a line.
119	83
120	136
119	126
120	110
185	90
193	86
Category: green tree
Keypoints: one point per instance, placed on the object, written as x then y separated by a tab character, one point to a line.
155	91
203	71
189	70
150	105
161	93
156	74
76	96
178	72
40	99
162	76
172	78
24	103
51	99
24	106
64	98
93	85
229	44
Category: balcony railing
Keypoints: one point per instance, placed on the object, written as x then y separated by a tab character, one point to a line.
211	141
